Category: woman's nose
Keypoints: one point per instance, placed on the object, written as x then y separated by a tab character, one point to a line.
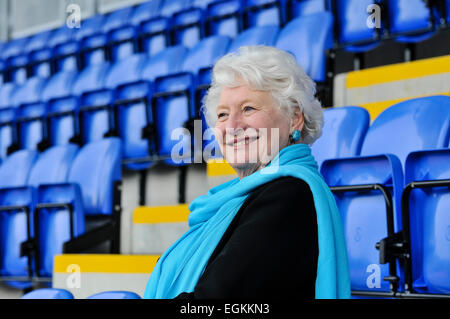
235	122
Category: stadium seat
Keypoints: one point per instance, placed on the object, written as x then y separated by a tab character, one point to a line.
52	166
409	20
48	293
307	38
7	132
343	133
133	110
223	18
187	27
263	12
91	194
367	216
115	295
429	221
10	50
297	8
174	104
153	35
11	236
264	35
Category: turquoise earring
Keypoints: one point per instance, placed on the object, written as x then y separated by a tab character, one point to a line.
295	136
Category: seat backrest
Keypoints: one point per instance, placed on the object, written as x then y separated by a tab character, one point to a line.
145	11
117	18
95	168
115	295
307	38
14	47
48	293
15	169
412	125
89	26
6	93
7	133
122	42
186	27
264	35
265	12
205	53
61	35
58	85
17	68
343	133
154	36
38	41
30	124
169	7
167	61
351	21
53	165
223	18
429	221
125	70
408	16
297	8
28	92
91	78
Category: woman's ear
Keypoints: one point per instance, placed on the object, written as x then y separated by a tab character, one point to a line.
297	121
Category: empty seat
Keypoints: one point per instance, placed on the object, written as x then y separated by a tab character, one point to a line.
343	133
174	104
429	220
14	173
48	293
115	295
366	216
263	12
297	8
19	203
91	196
264	35
186	27
133	110
153	35
223	18
308	38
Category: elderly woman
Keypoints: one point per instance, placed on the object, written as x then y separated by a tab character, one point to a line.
275	230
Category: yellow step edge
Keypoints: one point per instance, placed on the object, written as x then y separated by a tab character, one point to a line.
219	167
398	72
161	214
376	108
104	263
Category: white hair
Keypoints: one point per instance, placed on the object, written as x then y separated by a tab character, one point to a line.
267	69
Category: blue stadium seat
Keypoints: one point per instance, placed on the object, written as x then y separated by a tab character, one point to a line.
91	191
52	166
263	12
133	111
14	173
48	293
409	20
63	112
169	7
429	220
307	38
223	18
264	35
5	94
7	132
343	133
174	103
365	214
115	295
351	23
145	11
153	35
297	8
186	27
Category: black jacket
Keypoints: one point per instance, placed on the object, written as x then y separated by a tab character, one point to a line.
270	249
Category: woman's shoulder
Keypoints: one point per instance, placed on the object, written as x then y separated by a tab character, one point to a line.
284	187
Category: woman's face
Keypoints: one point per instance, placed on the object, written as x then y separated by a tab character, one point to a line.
250	130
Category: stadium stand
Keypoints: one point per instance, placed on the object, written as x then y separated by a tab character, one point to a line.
102	102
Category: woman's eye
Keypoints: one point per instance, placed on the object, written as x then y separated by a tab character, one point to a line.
248	108
220	115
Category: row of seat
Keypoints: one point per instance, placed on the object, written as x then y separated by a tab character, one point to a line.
140	98
373	170
47	201
55	293
153	25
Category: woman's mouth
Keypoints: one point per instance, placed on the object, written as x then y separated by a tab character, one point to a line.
242	141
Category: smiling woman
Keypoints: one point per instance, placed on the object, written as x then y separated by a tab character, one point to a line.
274	231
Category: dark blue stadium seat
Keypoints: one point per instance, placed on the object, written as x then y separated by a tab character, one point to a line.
169	7
343	133
115	295
307	38
90	191
429	221
5	94
12	177
133	111
145	11
153	35
223	17
7	132
174	103
366	219
18	204
409	20
263	12
186	27
48	293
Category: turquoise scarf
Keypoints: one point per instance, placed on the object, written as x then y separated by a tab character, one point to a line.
180	267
